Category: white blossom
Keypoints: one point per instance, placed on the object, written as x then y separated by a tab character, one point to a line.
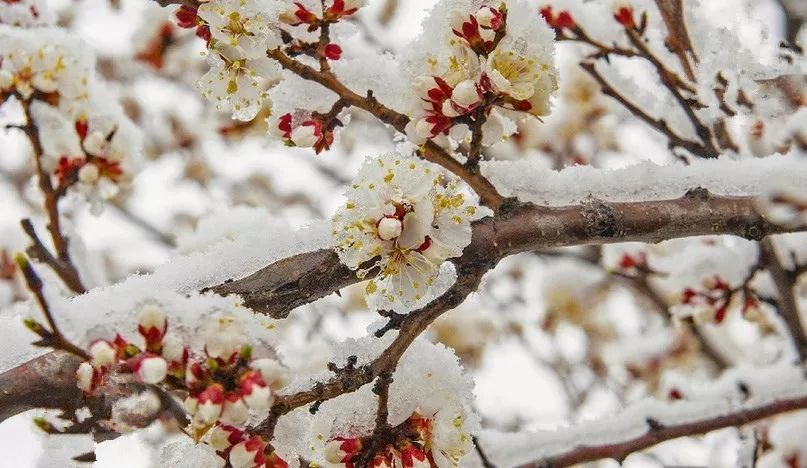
399	212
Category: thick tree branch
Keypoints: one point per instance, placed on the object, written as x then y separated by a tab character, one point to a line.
48	381
658	433
288	283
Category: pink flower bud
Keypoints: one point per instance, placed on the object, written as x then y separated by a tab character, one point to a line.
466	94
194	373
152	325
235	411
275	374
333	51
255	392
248	454
341	450
224	338
211	402
221	437
173	349
85	377
102	354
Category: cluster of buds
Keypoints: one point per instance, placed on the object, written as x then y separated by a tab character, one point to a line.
150	363
99	163
188	18
419	442
227	382
299	14
306	130
241	449
483	29
562	20
716	297
222	384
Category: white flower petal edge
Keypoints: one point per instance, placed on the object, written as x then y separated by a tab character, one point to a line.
410	217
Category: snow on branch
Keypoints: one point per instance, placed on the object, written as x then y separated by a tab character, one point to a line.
532	182
740	396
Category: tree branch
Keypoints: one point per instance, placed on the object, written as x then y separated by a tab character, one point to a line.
657	433
48	381
785	282
280	287
430	151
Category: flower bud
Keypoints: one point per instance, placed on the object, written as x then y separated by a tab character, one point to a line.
275	374
95	143
222	436
466	94
341	449
85	375
235	411
488	17
224	338
333	51
191	405
249	453
174	350
152	325
211	402
102	354
152	369
304	135
389	228
88	173
255	392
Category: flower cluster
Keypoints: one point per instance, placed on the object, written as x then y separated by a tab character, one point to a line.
222	384
304	129
238	34
494	60
439	440
242	450
86	141
157	354
403	219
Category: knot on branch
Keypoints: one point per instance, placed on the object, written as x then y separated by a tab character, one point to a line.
697	193
601	219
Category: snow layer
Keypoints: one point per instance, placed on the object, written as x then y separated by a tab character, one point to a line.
530	181
173	286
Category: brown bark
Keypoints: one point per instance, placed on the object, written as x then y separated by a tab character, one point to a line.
48	381
278	288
